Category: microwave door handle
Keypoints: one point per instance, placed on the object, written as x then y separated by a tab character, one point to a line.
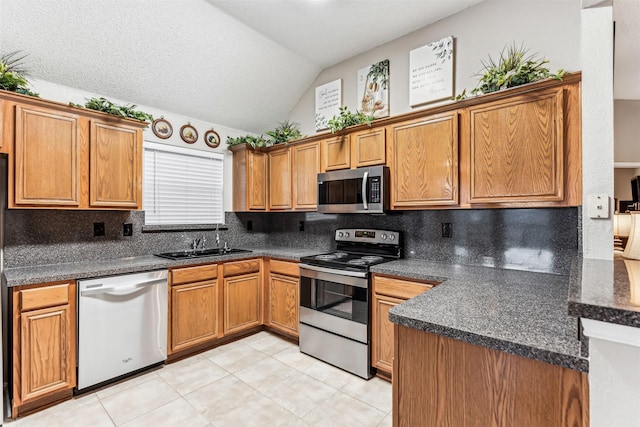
365	178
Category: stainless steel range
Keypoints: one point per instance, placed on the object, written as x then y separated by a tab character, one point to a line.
335	297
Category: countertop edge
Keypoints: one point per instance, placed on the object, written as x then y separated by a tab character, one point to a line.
577	363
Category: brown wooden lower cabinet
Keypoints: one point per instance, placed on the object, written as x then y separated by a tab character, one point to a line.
194	314
242	302
440	381
193	306
44	350
283	297
387	293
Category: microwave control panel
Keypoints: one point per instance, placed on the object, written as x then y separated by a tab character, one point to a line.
374	190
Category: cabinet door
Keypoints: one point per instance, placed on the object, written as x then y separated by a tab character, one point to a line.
256	180
115	162
47	157
242	302
336	153
306	166
425	162
47	355
194	314
283	303
382	332
517	149
280	180
369	148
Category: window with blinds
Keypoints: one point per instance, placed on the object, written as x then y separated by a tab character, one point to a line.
181	186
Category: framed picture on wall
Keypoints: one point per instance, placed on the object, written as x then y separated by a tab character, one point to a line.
188	133
328	103
431	72
162	128
211	138
373	89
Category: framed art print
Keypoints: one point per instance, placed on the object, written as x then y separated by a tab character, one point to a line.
188	133
162	128
211	138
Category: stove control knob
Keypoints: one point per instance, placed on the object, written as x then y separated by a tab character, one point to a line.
340	234
384	236
346	234
392	237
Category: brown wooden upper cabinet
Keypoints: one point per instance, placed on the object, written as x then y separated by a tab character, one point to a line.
48	146
280	179
115	165
516	152
424	163
306	166
368	148
336	153
61	157
250	172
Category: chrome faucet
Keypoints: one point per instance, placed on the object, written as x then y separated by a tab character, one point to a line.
195	244
217	236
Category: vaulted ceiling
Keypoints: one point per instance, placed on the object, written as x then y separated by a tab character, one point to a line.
238	63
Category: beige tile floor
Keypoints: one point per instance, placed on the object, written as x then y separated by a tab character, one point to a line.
262	380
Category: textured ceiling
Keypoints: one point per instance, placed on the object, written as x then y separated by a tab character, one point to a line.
242	64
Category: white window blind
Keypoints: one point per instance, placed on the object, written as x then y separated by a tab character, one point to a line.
182	186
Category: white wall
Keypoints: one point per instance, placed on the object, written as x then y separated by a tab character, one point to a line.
597	125
549	27
627	130
56	92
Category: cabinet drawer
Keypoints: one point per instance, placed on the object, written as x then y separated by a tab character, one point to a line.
399	288
194	274
284	267
49	296
241	267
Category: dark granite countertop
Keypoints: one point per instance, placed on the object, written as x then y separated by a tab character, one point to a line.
106	267
519	312
606	290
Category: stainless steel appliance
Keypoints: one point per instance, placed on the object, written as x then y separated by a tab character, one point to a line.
335	297
362	190
122	325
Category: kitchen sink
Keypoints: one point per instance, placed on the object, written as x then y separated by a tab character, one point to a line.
200	253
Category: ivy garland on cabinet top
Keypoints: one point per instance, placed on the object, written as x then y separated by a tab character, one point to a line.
106	106
347	118
514	67
13	74
285	131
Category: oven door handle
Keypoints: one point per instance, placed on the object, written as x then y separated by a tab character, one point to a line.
365	202
359	274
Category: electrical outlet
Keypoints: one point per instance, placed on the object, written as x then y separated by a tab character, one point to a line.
301	226
447	229
249	225
127	229
98	229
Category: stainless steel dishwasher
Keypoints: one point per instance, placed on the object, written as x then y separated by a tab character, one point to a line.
122	325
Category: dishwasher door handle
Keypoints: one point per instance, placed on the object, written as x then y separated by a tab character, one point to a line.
119	290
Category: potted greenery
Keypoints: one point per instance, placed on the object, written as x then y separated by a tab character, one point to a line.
106	106
13	74
514	67
285	132
347	118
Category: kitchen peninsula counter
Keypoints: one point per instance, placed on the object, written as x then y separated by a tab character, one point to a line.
518	312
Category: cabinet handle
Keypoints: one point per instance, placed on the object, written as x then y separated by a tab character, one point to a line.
365	178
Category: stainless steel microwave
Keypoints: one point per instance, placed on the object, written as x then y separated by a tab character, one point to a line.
362	190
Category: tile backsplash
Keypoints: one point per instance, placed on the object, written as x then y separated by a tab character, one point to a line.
532	239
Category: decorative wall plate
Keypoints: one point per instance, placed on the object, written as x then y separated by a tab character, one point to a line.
211	138
162	128
188	133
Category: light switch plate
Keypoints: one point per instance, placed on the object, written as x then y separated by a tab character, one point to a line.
598	206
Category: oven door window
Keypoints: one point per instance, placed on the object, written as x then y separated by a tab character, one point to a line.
348	302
